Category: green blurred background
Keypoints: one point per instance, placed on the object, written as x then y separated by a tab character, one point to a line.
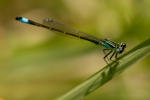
37	64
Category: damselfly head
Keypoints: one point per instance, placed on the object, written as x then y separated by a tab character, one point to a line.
121	48
123	45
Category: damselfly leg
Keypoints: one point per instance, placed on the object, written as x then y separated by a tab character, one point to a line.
104	51
105	57
112	55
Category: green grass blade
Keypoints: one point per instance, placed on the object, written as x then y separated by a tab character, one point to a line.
108	72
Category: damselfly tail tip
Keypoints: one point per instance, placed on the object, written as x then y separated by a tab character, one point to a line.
18	18
22	19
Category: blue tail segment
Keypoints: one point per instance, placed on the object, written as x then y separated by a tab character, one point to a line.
23	20
27	21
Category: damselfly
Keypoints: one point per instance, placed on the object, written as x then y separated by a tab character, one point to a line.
113	48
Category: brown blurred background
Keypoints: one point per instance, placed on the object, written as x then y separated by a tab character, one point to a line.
37	64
